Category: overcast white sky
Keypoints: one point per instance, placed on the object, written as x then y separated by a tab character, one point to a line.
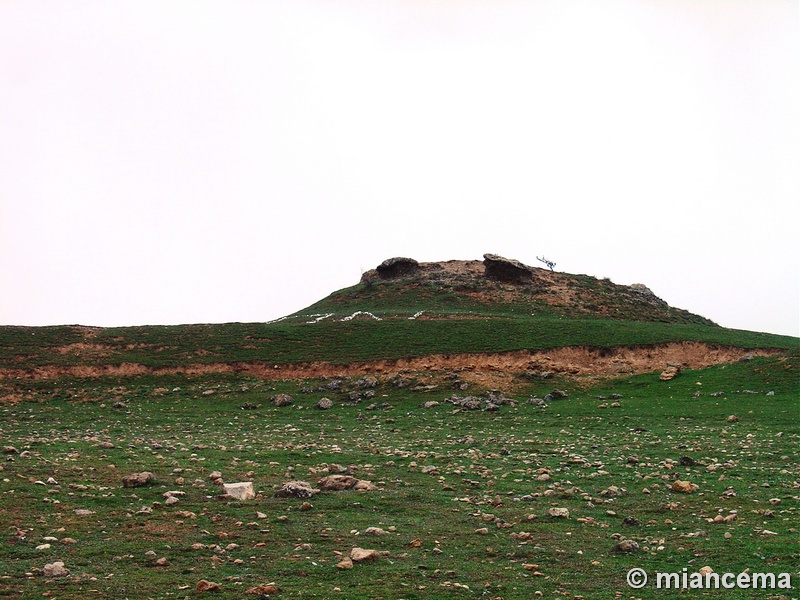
214	161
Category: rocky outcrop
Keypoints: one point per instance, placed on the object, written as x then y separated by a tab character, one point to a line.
397	267
647	294
506	270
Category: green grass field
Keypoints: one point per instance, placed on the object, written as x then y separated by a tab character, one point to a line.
461	495
340	342
461	498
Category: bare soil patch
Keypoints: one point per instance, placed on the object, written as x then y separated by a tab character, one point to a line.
578	362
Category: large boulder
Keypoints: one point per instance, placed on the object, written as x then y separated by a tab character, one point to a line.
55	569
138	479
397	267
241	491
506	270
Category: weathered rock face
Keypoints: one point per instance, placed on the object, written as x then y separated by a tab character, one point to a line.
506	270
646	293
397	267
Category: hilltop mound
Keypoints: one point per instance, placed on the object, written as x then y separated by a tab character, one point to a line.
496	285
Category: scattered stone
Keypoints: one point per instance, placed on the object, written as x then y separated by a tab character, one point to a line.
337	483
345	563
265	589
671	372
281	400
306	506
250	406
733	419
162	562
55	569
361	555
10	450
367	381
558	513
214	475
296	489
684	487
556	395
374	531
324	404
206	586
705	570
241	491
687	461
627	546
613	491
138	479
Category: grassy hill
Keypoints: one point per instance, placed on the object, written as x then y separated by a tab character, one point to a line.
467	288
435	308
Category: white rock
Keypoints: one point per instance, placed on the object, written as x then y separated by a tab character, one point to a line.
241	491
55	569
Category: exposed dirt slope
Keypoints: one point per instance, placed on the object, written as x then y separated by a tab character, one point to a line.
572	361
